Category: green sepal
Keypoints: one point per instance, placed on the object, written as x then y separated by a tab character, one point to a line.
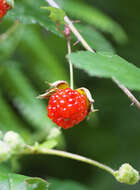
56	15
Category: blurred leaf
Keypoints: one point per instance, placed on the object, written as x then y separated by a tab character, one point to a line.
31	13
65	185
46	64
95	39
56	15
15	182
9	121
24	97
9	40
54	139
94	17
108	65
36	184
4	167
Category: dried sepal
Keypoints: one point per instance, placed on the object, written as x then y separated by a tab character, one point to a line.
90	100
47	94
61	84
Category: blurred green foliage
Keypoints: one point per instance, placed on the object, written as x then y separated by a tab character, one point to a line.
33	52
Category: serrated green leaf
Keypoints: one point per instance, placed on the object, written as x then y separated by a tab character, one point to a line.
15	182
108	65
56	15
95	17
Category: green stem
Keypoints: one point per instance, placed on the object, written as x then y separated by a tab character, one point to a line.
39	150
5	35
70	65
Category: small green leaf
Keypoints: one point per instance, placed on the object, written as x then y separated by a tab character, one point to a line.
54	139
56	15
10	181
49	144
108	65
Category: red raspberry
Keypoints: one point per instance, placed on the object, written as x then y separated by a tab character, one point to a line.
67	107
4	7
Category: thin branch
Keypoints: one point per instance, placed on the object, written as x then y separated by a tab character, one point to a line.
67	34
39	150
15	146
70	65
77	34
128	93
9	32
87	47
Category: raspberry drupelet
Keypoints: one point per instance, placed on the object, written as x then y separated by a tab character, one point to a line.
4	7
67	107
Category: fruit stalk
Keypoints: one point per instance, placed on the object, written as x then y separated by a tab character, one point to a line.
70	65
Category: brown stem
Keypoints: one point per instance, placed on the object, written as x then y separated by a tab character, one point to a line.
128	93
